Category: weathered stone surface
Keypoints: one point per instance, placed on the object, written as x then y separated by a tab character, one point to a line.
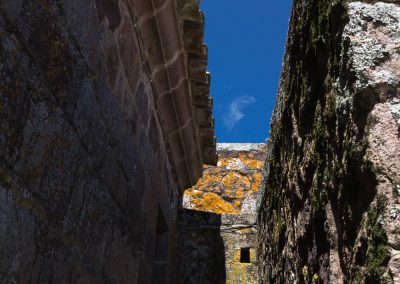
210	248
224	242
165	30
231	186
330	203
238	232
89	186
200	249
378	81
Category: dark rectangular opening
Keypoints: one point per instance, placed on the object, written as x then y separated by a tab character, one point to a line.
245	255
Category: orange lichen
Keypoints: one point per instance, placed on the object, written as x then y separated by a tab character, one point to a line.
239	194
254	164
257	181
223	188
230	179
214	203
209	179
229	193
224	162
237	203
235	181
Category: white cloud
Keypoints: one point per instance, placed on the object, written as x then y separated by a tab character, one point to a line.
235	111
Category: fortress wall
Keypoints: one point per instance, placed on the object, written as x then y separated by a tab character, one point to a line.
92	161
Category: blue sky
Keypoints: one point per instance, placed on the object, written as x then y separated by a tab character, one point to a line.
246	43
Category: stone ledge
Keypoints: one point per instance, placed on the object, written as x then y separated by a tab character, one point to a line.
242	147
231	220
171	36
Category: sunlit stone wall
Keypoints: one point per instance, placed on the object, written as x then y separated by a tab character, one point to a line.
217	227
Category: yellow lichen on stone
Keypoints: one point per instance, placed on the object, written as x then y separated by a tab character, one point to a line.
208	180
252	163
214	203
252	255
305	273
237	204
237	178
239	272
257	181
239	194
223	163
236	256
245	231
230	180
231	188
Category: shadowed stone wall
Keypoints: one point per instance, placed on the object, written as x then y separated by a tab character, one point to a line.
200	249
330	206
89	182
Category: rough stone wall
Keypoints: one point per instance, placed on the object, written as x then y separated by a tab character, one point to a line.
201	252
219	243
210	248
88	192
330	206
231	186
238	232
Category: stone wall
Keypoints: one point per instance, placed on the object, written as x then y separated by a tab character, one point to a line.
91	169
201	252
329	211
231	186
224	201
216	249
238	232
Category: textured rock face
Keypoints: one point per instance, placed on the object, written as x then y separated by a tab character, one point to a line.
89	182
200	249
215	248
221	248
231	186
330	206
238	233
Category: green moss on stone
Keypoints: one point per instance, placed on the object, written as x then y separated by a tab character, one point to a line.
373	267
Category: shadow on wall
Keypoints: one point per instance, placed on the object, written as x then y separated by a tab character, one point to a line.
201	254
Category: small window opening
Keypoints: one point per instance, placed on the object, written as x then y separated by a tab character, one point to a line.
245	255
